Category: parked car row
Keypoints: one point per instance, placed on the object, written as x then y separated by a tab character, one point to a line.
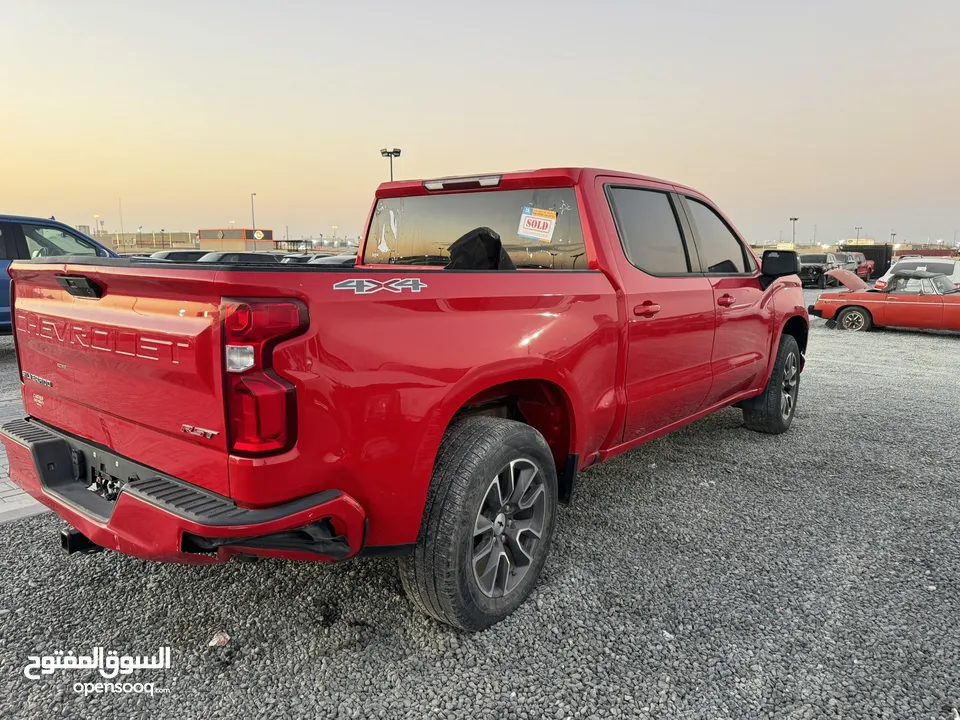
253	257
815	268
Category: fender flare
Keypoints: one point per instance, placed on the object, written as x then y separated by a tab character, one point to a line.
479	379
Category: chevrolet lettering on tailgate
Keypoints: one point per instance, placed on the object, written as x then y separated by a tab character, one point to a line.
149	346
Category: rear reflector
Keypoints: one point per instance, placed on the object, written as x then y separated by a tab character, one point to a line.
478	181
261	406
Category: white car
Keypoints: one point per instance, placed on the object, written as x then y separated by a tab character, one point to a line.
945	265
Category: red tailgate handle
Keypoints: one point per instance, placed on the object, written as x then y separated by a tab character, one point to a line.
646	309
726	300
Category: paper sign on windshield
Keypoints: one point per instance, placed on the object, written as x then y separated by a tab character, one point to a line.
537	224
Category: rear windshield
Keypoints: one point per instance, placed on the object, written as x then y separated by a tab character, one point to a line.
935	267
537	228
813	258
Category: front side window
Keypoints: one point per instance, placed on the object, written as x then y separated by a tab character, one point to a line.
720	250
538	228
905	286
50	241
649	230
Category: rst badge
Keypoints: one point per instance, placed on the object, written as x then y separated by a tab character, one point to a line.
366	286
198	431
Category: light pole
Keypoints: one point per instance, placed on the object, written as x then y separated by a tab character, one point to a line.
253	219
139	235
858	228
794	222
96	224
390	154
892	236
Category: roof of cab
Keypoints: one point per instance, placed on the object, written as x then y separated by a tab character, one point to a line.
557	176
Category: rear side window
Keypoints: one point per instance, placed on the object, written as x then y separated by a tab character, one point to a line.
720	250
4	253
538	228
49	241
649	230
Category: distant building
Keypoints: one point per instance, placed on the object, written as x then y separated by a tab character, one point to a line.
235	239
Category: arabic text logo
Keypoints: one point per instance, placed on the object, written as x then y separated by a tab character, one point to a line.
109	663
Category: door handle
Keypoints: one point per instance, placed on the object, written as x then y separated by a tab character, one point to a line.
646	309
892	297
726	300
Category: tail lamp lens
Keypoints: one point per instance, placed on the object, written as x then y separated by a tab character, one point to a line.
261	405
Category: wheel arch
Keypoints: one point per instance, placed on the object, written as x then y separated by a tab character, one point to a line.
538	394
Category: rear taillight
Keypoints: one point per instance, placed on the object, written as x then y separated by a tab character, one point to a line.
261	406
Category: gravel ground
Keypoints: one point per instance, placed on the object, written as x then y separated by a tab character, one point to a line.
716	573
9	382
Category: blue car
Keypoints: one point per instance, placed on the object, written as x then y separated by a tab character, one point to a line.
22	238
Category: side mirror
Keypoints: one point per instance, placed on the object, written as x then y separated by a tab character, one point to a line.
780	263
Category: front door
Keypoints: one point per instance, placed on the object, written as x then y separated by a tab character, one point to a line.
670	311
913	303
745	313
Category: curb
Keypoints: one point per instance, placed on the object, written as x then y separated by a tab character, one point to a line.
22	511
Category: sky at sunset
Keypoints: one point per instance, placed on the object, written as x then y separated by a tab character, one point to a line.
842	113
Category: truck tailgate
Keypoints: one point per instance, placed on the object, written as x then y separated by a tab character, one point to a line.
136	369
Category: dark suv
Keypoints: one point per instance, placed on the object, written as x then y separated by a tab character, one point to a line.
813	268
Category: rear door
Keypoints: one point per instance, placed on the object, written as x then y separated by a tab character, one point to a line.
744	331
670	309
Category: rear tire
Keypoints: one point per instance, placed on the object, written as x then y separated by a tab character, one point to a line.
855	318
772	412
487	523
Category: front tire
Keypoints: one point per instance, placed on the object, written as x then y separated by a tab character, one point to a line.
487	524
772	412
822	282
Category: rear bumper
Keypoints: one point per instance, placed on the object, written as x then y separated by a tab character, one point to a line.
157	517
813	311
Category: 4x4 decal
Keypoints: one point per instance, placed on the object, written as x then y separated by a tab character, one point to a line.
365	286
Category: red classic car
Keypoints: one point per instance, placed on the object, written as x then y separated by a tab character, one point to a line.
912	298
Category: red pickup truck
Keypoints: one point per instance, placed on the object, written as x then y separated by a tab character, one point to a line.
498	334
